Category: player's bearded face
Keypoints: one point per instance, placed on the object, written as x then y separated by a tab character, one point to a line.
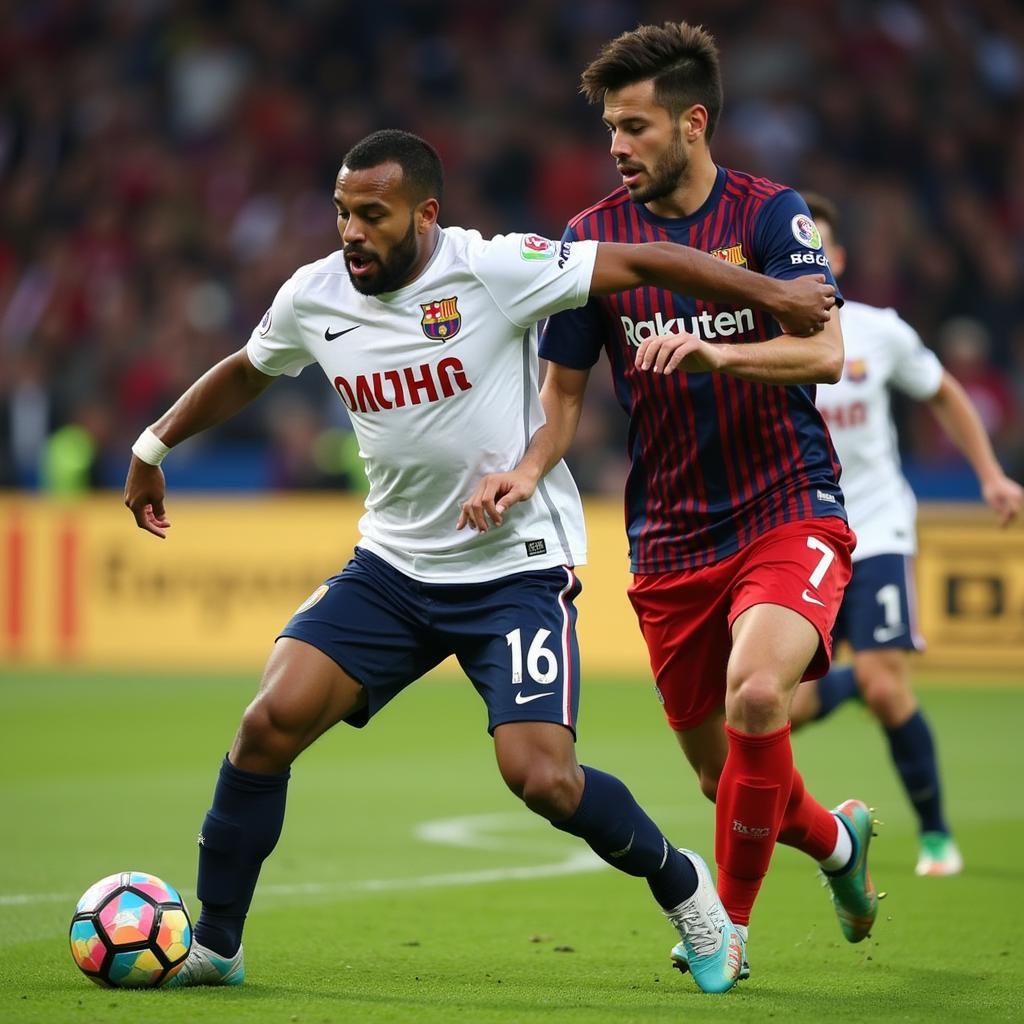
386	271
668	170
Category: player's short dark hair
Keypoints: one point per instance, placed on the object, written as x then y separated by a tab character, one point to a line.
682	59
422	172
824	211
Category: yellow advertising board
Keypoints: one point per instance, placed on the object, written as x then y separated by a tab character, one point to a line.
970	582
85	585
81	584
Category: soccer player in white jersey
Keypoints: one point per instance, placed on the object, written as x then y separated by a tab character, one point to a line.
428	336
878	613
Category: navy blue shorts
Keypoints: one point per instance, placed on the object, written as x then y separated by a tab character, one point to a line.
515	637
880	606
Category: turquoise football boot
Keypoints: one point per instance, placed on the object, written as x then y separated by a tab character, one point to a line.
711	946
204	967
853	893
681	964
939	856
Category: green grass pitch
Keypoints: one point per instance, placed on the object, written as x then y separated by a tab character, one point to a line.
410	885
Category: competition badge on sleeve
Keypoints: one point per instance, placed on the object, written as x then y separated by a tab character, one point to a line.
805	231
441	318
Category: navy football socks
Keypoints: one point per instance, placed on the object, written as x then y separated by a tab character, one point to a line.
616	828
913	753
239	832
835	688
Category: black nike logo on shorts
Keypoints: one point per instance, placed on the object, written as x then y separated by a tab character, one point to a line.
330	336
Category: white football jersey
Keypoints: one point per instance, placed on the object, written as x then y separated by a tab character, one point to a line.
882	351
440	381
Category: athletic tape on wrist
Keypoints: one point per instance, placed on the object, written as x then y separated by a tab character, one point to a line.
149	448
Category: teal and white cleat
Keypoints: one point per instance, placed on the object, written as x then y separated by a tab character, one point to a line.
204	967
681	964
712	947
853	893
939	856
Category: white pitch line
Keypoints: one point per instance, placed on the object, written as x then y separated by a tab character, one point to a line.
576	863
18	898
471	832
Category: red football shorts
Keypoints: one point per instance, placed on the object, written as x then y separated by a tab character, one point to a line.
686	617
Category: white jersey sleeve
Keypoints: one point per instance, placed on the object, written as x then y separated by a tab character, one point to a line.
530	277
276	345
916	370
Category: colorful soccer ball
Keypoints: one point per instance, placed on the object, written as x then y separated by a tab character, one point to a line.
130	930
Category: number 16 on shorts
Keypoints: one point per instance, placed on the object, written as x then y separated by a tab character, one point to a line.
537	675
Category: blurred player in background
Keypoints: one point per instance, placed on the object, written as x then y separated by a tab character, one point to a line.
739	544
428	335
878	616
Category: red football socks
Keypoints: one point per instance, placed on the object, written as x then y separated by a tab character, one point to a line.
753	794
807	825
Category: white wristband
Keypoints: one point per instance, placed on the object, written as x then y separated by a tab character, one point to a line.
149	448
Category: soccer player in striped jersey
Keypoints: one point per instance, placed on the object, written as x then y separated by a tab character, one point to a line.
878	616
428	336
739	543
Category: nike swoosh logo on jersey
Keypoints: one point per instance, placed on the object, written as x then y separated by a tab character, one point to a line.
629	846
811	599
520	699
330	335
883	634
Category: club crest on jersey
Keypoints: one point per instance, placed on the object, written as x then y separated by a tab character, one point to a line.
805	231
731	254
441	318
856	370
536	247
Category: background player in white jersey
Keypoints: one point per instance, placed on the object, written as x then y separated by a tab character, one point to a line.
878	613
428	335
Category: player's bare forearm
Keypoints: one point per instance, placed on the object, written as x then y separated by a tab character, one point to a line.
782	360
801	305
788	359
562	398
959	418
221	392
217	395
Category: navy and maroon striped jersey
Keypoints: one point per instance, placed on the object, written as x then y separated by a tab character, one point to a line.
716	460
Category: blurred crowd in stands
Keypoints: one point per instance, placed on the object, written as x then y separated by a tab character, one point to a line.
166	165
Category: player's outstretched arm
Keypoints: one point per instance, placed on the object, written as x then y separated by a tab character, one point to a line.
959	418
562	398
783	360
221	392
801	305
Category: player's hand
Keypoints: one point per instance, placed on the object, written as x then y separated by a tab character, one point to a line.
144	495
493	497
1004	496
670	352
806	305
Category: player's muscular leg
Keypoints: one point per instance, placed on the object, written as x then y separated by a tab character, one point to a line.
537	760
805	703
884	679
705	748
302	694
772	646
